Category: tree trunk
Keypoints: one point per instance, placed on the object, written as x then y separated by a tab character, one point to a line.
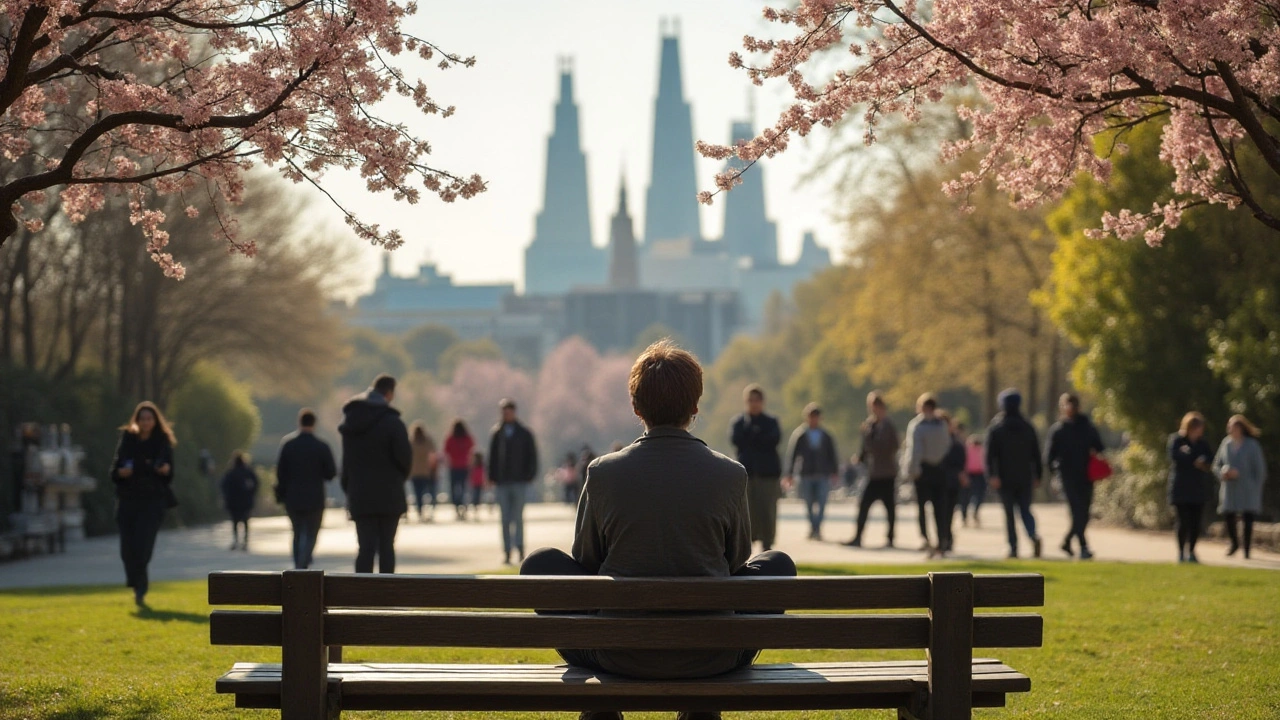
1056	380
990	329
1033	368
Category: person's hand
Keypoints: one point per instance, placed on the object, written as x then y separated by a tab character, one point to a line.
993	483
163	469
834	479
1230	474
788	483
964	480
124	472
1201	464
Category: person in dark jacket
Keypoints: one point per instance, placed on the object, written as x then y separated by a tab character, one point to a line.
1190	456
304	465
513	464
1014	467
811	455
143	472
879	455
239	491
376	460
665	506
756	435
1072	441
944	506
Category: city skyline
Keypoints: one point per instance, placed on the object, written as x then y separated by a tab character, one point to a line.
616	86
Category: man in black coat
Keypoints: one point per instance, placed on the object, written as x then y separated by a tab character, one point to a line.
376	458
756	436
1014	466
1072	441
305	464
513	464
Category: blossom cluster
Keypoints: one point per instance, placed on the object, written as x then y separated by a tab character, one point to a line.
160	97
1059	83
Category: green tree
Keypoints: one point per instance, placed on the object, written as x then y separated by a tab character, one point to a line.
481	349
653	334
371	353
427	343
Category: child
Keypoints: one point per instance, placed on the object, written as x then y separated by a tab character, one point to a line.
477	483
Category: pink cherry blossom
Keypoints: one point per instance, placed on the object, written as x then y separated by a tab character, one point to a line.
1059	83
160	97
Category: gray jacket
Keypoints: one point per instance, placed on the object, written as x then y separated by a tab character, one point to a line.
880	445
1244	494
806	459
928	440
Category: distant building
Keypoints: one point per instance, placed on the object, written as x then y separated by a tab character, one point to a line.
611	319
748	232
399	304
624	268
562	255
671	205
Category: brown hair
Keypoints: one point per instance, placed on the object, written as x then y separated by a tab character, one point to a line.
162	425
418	431
752	389
1190	421
1249	428
926	401
875	398
665	385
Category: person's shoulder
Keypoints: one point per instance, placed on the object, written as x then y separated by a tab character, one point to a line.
726	466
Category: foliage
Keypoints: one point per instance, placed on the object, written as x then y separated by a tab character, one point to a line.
1138	494
210	411
1052	76
458	353
372	353
150	98
427	343
476	388
583	399
1114	636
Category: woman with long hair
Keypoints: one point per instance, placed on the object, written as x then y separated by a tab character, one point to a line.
423	468
1241	467
239	491
142	472
1189	455
458	448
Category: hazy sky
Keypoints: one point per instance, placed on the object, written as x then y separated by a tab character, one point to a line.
504	115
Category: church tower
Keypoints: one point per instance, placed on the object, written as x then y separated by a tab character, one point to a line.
624	272
748	232
671	205
562	256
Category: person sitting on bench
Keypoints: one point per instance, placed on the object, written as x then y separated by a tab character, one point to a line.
664	506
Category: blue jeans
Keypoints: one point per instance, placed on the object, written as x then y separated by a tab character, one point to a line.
814	491
1018	497
511	497
306	530
458	486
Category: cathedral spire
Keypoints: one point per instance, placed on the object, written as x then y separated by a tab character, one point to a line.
671	206
748	231
623	269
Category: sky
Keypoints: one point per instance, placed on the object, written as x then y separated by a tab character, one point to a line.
504	116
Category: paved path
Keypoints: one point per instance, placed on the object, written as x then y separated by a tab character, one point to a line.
448	546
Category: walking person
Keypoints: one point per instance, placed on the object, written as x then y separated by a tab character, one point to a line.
665	506
974	490
1014	467
239	492
567	478
458	448
477	482
1073	440
928	440
755	435
811	456
513	464
304	466
424	468
879	455
944	507
143	474
376	460
1189	467
1241	467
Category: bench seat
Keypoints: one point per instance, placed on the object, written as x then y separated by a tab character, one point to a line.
801	686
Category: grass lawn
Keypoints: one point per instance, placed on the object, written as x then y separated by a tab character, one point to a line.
1121	641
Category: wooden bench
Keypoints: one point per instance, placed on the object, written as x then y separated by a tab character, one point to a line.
319	613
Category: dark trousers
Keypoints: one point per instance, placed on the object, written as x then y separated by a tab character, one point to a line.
944	512
1017	501
1188	518
138	516
877	489
762	506
1230	520
923	495
931	489
424	489
376	535
306	530
553	561
458	486
1079	492
973	495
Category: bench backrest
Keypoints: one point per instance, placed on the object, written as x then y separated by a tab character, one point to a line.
319	610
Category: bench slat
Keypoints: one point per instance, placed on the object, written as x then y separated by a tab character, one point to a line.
517	592
526	630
